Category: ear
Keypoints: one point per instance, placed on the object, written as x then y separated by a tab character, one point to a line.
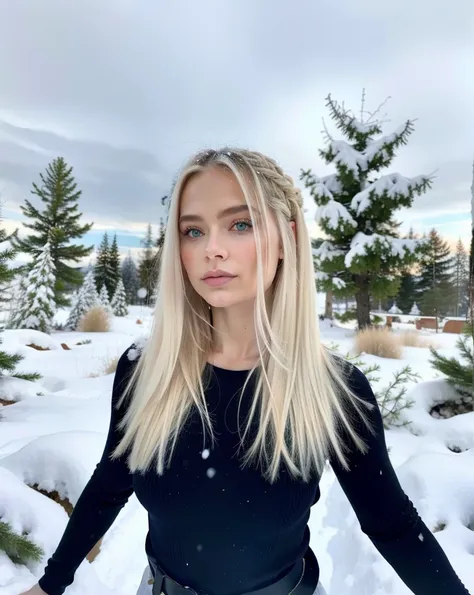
293	229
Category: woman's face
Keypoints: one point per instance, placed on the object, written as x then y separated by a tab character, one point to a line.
216	234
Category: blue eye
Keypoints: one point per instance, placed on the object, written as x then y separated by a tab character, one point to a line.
189	233
242	225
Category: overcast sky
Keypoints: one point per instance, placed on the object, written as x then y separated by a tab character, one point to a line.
126	90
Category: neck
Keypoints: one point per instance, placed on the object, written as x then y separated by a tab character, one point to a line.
233	334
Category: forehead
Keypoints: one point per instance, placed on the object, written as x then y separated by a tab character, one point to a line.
212	188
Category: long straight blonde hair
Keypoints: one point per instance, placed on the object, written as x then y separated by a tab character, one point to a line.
301	397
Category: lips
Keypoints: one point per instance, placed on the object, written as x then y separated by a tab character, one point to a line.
217	273
217	281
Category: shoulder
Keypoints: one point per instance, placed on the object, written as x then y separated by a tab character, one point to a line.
129	358
135	350
354	378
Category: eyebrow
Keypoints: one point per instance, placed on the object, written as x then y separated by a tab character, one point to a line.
224	213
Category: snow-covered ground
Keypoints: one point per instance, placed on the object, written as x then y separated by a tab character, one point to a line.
54	435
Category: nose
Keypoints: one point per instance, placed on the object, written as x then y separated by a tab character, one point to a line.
215	247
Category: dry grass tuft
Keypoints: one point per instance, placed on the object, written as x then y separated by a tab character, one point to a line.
96	320
109	367
379	341
414	339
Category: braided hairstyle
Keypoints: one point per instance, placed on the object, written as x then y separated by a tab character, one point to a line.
283	189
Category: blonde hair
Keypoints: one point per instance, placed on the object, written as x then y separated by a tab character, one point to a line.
300	393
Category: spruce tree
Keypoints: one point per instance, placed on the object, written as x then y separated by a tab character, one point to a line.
130	279
146	266
58	224
114	265
119	301
102	270
8	361
435	283
37	308
87	298
104	299
363	255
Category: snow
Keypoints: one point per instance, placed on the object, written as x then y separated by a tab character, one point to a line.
361	244
336	214
327	251
394	309
393	186
353	160
55	439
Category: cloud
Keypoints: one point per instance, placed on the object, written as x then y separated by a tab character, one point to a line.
126	91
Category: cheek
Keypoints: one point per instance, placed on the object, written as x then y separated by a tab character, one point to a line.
186	254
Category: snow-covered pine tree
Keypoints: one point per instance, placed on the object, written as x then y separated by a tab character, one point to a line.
8	361
7	253
102	270
415	311
119	301
363	254
58	224
435	286
37	308
114	265
130	278
104	300
87	298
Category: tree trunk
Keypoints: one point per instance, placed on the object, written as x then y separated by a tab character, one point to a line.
328	305
362	301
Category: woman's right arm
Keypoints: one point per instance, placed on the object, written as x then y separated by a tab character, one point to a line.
99	504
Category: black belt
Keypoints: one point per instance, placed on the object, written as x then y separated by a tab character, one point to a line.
302	579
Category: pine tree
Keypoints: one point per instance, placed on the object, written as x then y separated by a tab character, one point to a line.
19	548
114	265
435	283
363	254
119	301
146	266
7	253
415	311
19	298
407	293
102	270
156	267
460	372
130	279
58	224
104	299
87	298
461	279
37	309
8	361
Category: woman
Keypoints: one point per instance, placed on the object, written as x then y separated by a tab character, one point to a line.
223	422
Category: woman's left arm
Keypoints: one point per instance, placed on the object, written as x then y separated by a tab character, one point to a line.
386	514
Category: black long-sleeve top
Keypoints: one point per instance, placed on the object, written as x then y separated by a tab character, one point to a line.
223	529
